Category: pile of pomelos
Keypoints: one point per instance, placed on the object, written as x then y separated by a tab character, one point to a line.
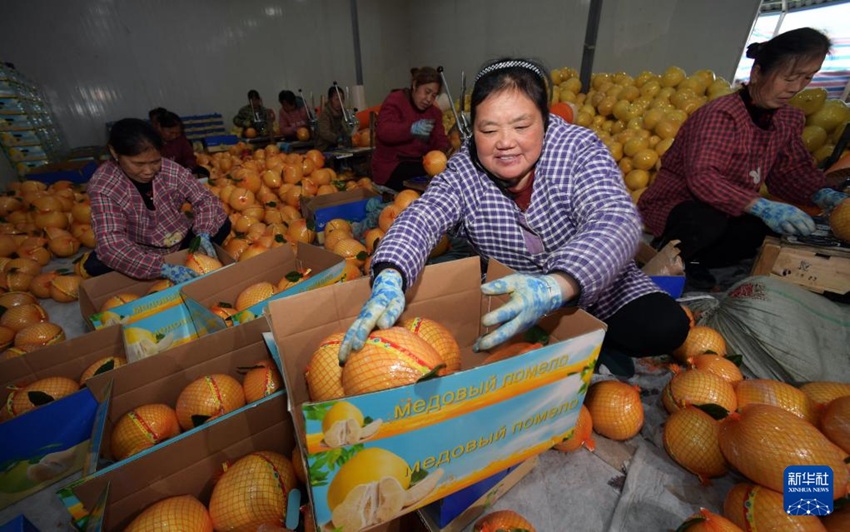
262	193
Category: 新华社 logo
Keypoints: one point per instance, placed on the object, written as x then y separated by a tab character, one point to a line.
808	490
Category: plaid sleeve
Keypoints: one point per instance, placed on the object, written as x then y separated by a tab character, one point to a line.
795	178
206	207
419	227
709	150
606	222
109	224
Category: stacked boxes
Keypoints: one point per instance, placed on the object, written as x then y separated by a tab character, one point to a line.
29	135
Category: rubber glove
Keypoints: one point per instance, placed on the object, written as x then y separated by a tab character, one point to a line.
205	246
177	274
422	128
383	308
532	297
827	199
783	218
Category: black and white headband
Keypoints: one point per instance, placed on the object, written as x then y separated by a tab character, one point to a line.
501	65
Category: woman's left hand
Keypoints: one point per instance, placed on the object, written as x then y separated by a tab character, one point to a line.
532	297
205	246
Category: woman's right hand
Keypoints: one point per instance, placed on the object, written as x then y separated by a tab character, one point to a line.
422	128
382	309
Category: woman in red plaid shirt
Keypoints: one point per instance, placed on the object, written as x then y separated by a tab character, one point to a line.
136	204
706	194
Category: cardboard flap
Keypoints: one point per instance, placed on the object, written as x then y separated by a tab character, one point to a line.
189	465
54	360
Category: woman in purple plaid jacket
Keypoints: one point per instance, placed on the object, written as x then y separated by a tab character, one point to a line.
543	197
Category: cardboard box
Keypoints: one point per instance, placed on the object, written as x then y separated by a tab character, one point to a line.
224	286
819	269
458	429
74	171
189	465
664	268
160	321
161	379
349	205
460	509
56	433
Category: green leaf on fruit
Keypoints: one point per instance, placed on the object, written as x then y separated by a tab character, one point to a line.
362	256
736	359
224	304
714	410
536	335
431	374
195	244
367	420
198	420
311	225
158	337
340	185
39	398
271	204
106	367
294	276
279	239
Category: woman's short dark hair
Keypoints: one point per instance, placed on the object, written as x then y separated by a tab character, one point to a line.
332	90
132	136
424	75
170	119
789	48
286	97
253	95
156	114
525	75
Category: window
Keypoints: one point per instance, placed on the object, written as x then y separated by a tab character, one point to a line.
829	18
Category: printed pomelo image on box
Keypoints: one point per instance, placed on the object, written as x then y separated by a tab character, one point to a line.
374	456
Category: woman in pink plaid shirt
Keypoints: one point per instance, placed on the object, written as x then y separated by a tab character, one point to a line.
136	203
706	194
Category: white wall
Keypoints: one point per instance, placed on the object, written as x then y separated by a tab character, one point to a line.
634	35
102	60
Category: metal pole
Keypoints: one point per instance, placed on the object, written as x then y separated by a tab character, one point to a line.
355	32
590	34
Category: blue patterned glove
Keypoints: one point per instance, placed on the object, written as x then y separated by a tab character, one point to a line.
177	274
783	218
422	128
383	308
827	199
205	246
532	297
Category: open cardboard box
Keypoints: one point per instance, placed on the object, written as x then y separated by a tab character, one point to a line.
458	429
225	285
57	433
160	379
94	292
188	466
